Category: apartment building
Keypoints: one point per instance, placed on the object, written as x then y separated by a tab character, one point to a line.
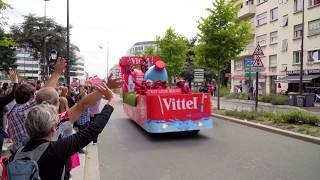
140	47
277	28
27	67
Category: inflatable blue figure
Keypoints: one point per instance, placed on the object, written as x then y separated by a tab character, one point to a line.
156	72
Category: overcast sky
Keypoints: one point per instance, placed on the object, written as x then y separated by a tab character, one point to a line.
119	22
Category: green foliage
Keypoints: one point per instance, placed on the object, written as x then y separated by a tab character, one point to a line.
130	98
291	116
34	33
7	52
244	96
224	91
266	98
249	115
298	116
279	100
3	6
173	50
221	37
149	51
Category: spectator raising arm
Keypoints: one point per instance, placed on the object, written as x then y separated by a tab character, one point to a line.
58	70
89	100
4	100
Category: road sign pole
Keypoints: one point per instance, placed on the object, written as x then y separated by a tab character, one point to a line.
257	91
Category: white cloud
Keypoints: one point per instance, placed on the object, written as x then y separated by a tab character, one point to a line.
121	23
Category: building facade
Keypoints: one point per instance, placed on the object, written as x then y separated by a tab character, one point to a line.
140	47
77	71
277	28
28	67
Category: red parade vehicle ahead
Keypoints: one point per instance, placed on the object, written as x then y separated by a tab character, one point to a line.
157	108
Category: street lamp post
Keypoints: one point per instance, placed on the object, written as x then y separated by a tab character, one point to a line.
68	47
301	53
106	71
45	63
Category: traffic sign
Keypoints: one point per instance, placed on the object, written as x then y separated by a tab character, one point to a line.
249	62
257	62
258	69
258	51
198	75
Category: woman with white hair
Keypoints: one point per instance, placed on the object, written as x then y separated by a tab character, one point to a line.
41	126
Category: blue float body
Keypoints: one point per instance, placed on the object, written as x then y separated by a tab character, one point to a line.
153	74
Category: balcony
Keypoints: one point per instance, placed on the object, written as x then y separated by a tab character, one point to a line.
247	11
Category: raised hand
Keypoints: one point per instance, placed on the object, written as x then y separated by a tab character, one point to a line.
60	65
13	75
114	83
105	91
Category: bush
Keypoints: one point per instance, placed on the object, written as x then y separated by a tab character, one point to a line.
298	116
224	91
243	114
232	96
130	98
279	100
291	116
237	96
266	98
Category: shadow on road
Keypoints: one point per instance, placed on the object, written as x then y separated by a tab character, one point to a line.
175	136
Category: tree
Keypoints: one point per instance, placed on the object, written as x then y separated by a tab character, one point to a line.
3	6
173	50
7	46
43	37
149	51
188	74
222	37
7	52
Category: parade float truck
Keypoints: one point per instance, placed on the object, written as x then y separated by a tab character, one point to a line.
156	107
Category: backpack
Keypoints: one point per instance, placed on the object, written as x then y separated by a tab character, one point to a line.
3	167
24	165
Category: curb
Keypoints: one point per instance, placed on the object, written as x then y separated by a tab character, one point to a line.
91	167
303	137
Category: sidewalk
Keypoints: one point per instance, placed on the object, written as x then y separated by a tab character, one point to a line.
89	165
237	104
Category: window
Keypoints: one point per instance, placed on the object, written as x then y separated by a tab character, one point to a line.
262	19
273	61
314	55
249	2
285	45
262	40
314	27
274	14
285	20
298	4
314	3
262	1
296	57
238	65
297	31
274	37
283	1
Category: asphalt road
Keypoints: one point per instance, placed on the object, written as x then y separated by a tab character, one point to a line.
228	151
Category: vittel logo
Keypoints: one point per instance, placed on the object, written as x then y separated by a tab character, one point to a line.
180	104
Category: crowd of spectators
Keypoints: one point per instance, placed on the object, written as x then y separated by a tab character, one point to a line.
64	120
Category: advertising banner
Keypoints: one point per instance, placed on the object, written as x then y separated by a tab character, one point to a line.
182	107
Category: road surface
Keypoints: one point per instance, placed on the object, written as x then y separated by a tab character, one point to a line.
228	151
